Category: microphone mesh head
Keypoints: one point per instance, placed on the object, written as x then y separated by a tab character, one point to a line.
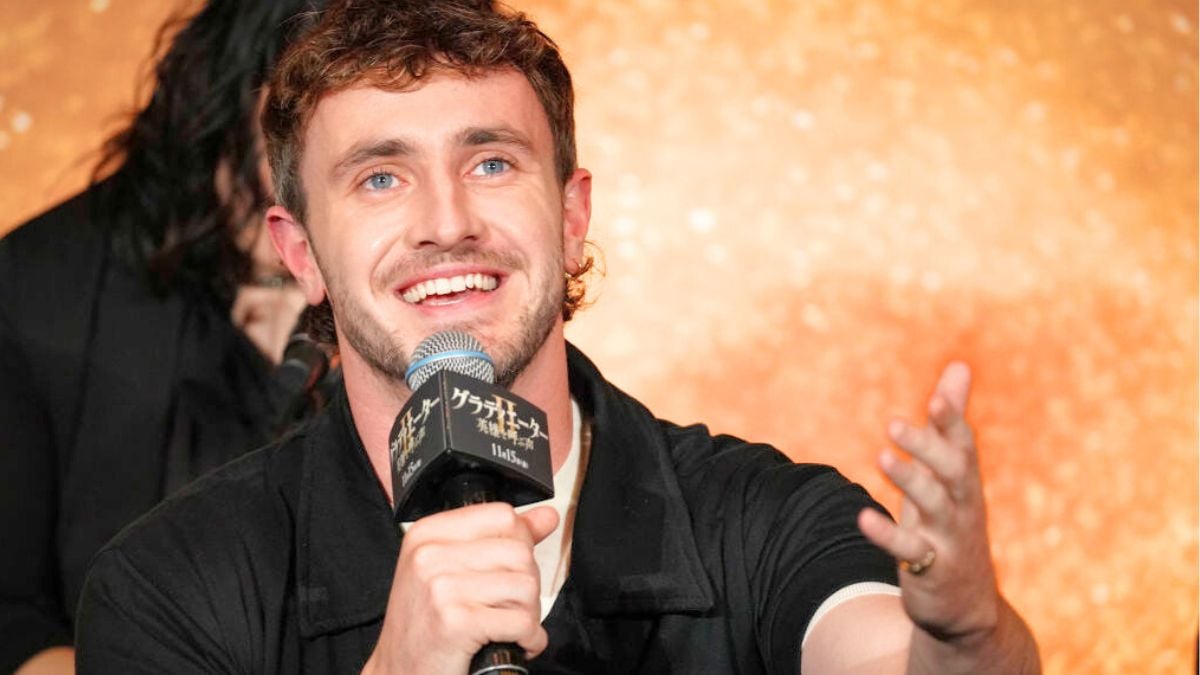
449	350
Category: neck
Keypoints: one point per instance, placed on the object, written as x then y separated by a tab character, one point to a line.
375	400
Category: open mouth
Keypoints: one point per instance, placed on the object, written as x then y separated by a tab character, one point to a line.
447	288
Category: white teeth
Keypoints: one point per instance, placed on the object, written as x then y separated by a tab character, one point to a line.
447	285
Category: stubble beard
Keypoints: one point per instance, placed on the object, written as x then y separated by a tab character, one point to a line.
388	353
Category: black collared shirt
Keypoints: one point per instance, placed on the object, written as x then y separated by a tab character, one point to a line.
691	554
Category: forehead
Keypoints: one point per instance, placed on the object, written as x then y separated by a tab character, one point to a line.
427	114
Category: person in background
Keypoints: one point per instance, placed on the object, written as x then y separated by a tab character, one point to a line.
139	322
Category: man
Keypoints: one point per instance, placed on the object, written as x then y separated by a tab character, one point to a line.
423	156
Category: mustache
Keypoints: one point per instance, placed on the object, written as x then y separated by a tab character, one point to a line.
419	261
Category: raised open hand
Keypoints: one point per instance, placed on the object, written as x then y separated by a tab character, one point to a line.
947	579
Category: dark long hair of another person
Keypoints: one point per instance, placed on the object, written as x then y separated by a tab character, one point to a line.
156	184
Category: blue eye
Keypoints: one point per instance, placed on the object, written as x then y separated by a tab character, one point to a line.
491	167
380	181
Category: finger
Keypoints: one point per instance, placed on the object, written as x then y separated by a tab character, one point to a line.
510	625
951	423
482	555
536	644
949	464
909	515
926	492
901	543
469	523
497	624
510	590
541	521
955	385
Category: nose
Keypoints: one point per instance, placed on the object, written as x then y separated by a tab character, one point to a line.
446	218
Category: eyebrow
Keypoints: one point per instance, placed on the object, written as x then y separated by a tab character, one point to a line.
361	153
503	135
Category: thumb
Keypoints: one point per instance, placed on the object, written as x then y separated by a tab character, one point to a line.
541	521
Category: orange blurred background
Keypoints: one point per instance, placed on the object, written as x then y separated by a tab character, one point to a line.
807	208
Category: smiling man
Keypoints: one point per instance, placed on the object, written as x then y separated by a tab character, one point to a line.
424	158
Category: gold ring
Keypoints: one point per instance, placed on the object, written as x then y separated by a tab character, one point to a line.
921	566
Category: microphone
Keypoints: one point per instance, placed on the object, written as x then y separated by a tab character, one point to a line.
303	366
462	440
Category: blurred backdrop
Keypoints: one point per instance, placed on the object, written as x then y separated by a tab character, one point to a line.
807	208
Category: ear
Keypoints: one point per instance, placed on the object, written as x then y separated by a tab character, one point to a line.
295	249
577	214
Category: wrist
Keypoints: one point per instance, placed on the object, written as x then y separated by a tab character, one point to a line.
1003	646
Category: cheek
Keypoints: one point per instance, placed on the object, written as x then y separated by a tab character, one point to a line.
367	254
531	218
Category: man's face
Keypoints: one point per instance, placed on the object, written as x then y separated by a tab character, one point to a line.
439	208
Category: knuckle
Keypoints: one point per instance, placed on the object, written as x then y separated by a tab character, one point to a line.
511	556
499	515
441	590
524	558
508	516
941	502
905	475
423	558
928	437
524	624
450	619
529	589
957	468
416	531
968	439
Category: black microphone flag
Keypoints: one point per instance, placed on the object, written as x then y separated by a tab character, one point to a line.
456	424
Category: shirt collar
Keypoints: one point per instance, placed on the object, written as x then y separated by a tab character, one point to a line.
346	541
633	550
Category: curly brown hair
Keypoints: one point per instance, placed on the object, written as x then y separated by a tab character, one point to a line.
394	44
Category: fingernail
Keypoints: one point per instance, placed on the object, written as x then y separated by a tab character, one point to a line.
895	429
